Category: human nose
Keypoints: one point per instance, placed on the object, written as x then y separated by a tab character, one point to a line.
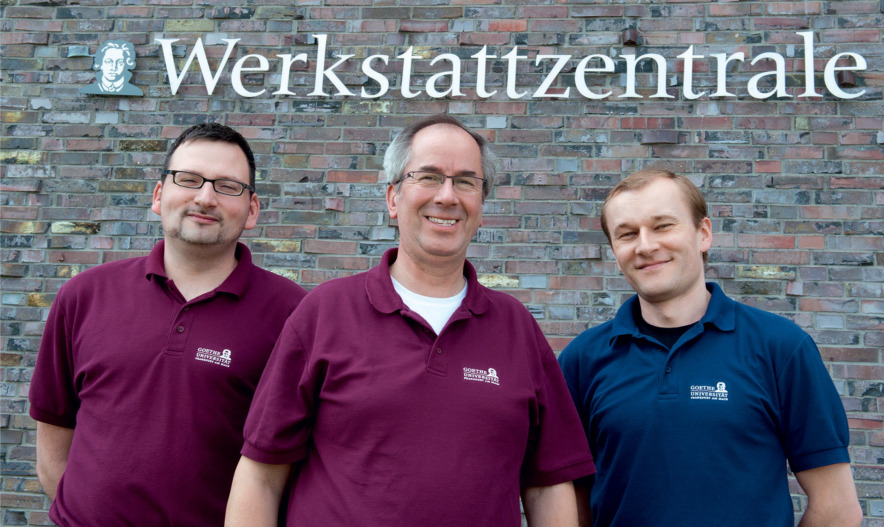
446	193
647	242
206	195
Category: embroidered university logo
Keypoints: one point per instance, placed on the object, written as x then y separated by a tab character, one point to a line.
709	393
221	358
475	374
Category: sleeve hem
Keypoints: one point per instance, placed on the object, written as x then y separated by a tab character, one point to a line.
569	473
52	419
273	458
819	459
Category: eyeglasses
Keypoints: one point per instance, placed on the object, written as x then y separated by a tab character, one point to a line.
435	180
228	187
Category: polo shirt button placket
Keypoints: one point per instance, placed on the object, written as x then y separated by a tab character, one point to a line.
180	329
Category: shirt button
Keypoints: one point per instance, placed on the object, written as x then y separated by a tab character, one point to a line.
180	329
668	369
438	351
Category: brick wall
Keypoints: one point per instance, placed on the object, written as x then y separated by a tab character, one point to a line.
795	184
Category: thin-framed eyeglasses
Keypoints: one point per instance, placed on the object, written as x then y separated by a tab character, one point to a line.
228	187
435	180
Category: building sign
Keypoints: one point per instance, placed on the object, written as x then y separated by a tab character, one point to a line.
447	81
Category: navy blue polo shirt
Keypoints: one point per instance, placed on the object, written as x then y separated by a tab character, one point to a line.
699	434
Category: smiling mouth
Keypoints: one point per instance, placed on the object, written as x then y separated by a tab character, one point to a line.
651	265
203	218
440	221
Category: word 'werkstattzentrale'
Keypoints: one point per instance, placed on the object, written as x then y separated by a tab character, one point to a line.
447	83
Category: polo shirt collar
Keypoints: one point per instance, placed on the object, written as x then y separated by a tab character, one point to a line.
235	284
721	313
382	295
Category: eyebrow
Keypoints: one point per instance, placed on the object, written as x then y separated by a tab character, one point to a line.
654	219
433	168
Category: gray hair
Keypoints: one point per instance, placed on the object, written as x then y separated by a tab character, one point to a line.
399	152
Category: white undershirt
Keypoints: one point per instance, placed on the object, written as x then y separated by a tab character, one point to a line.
434	310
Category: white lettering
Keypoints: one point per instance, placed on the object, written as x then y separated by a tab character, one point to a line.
454	90
809	87
199	52
239	67
556	69
632	62
405	88
779	72
287	62
512	58
723	60
481	58
580	75
375	76
447	83
322	73
832	82
688	58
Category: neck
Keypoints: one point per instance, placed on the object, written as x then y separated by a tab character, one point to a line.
196	270
442	280
677	312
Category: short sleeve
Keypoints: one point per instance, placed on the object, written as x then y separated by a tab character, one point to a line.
53	394
278	427
813	417
569	362
559	450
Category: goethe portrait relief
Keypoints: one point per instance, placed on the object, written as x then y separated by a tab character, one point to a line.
113	62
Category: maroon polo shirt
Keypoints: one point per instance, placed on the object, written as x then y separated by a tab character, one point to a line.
156	388
396	425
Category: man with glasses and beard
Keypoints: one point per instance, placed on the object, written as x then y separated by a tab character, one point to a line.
148	365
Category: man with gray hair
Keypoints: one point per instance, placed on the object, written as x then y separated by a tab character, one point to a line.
411	394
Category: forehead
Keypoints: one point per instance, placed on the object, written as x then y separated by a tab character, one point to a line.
113	53
445	147
660	198
212	159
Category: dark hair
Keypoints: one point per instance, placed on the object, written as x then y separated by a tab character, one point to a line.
213	132
398	154
639	180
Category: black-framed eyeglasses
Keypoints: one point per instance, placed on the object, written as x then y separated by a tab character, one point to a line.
435	180
228	187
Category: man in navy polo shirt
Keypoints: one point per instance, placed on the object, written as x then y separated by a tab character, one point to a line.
148	365
411	395
693	403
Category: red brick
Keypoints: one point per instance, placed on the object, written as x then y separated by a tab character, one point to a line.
329	247
863	424
766	241
508	25
422	26
582	283
768	167
352	176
